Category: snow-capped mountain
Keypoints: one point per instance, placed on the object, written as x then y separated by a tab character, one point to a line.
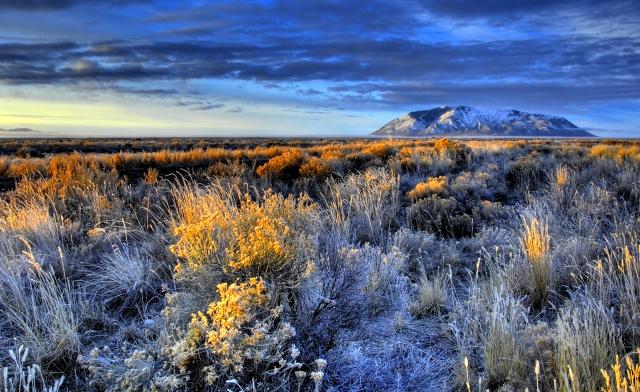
468	121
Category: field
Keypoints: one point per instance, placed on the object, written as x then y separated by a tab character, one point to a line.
319	265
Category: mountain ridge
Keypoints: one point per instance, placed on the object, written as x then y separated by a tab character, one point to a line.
468	121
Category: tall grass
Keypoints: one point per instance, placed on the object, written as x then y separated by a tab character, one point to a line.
587	340
535	241
364	206
42	314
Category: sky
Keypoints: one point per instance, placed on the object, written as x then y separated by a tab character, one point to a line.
310	68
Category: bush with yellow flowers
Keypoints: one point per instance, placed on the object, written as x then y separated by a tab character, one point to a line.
432	186
271	239
262	252
240	334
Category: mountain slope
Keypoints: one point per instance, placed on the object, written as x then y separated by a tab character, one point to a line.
468	121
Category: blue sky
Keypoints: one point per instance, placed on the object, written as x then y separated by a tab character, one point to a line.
310	68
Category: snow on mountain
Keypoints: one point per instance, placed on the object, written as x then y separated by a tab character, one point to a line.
469	121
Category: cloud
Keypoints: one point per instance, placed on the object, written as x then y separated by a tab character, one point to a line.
36	4
499	8
209	106
393	59
497	95
39	5
309	92
147	91
604	68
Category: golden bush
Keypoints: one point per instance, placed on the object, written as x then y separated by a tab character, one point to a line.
315	167
240	335
271	238
617	152
243	332
5	165
198	242
220	328
433	186
382	150
25	168
282	165
458	152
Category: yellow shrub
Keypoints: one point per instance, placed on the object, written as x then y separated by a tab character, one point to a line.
220	327
5	164
315	167
285	164
382	150
198	242
458	152
332	152
272	238
617	152
25	167
240	334
603	150
433	186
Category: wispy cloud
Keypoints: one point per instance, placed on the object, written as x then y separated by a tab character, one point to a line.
209	106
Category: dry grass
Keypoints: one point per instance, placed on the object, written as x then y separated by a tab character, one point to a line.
431	296
535	242
503	343
43	315
587	340
25	378
562	176
623	377
364	206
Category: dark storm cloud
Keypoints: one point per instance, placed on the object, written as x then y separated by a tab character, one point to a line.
20	52
360	61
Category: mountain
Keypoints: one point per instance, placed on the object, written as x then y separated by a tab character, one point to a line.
469	121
